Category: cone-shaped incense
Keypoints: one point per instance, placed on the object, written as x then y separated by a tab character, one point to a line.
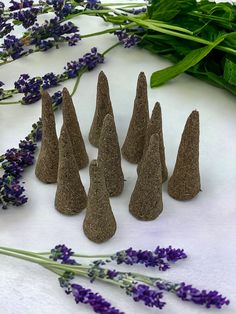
72	124
155	126
146	199
109	157
99	223
185	181
132	149
70	196
47	163
103	107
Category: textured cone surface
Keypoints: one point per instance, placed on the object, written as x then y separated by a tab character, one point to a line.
72	124
155	126
109	157
99	223
146	199
132	149
47	163
103	107
185	181
70	197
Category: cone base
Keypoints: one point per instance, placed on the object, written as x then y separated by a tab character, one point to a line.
98	235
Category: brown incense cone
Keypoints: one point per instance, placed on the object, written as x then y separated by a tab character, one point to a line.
70	196
132	149
103	107
72	124
99	223
185	181
47	163
109	157
146	199
155	126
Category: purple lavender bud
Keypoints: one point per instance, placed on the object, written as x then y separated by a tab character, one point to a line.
73	40
49	80
20	5
127	40
57	98
93	5
209	299
61	8
159	258
11	192
95	300
63	253
27	17
13	47
150	297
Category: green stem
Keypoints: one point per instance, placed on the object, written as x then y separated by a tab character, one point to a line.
10	102
109	49
110	30
77	81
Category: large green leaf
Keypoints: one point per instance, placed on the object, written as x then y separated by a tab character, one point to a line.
160	77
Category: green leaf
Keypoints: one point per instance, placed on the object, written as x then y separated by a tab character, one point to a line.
160	77
166	10
230	71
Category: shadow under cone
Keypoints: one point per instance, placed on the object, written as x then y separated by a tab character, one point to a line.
132	149
146	199
70	196
99	223
109	157
184	184
72	124
103	107
47	163
155	126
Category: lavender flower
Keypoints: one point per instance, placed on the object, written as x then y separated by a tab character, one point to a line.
26	17
30	87
11	192
12	46
89	61
61	8
150	297
126	39
93	5
63	253
95	300
158	258
20	5
13	163
209	299
57	98
53	29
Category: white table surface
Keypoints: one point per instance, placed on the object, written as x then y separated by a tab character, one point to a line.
204	226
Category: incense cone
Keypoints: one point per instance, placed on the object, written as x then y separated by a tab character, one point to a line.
155	126
72	124
103	107
185	181
70	196
109	157
132	148
146	199
47	163
99	223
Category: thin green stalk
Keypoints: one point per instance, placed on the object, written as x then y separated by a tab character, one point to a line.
10	102
110	30
77	81
109	49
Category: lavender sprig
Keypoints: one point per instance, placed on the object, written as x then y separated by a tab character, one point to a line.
141	288
159	258
15	160
30	87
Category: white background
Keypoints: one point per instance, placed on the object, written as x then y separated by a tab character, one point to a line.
204	226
